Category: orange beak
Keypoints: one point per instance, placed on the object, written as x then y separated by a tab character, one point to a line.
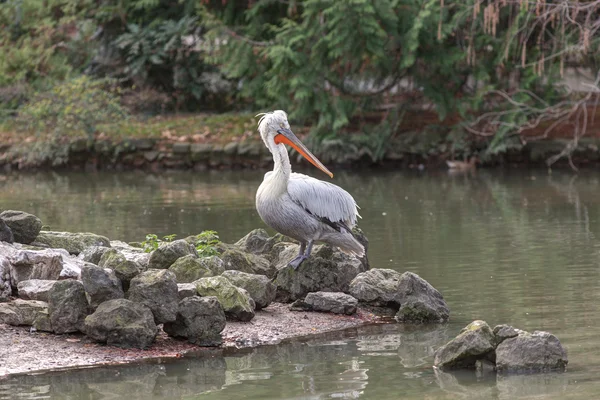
286	136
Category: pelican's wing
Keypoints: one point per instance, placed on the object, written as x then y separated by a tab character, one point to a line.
324	200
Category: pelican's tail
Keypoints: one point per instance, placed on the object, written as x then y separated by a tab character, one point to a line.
346	242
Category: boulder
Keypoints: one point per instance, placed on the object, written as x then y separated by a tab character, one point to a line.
122	323
157	290
49	264
326	270
42	322
100	284
190	268
333	302
503	332
74	243
9	314
259	242
234	259
124	269
378	287
186	290
419	301
132	253
236	302
25	227
93	254
476	341
200	320
6	234
35	289
67	306
168	253
260	288
531	352
5	284
29	309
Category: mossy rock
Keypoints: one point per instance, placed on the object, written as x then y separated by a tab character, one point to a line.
124	269
236	302
260	287
190	268
74	243
168	253
235	259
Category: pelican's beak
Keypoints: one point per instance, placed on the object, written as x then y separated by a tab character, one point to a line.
287	136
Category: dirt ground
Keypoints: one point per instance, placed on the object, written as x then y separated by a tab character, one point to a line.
22	351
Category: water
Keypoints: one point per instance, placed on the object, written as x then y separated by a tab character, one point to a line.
507	247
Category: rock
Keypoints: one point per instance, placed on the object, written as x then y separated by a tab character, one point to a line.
35	289
200	320
326	270
476	341
258	242
49	264
186	290
214	264
25	227
6	234
5	283
190	268
234	259
531	352
93	254
419	301
236	302
122	323
377	287
74	243
67	306
333	302
9	314
503	332
100	284
29	309
260	288
157	290
124	269
132	253
168	253
42	322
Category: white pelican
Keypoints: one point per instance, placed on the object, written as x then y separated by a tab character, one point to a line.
297	205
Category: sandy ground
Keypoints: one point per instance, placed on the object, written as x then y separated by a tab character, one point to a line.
22	351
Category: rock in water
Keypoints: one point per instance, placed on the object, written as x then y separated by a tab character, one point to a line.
122	323
325	270
333	302
35	289
157	290
74	243
419	301
475	341
6	234
190	268
531	352
25	227
236	302
200	320
168	253
260	288
100	284
67	306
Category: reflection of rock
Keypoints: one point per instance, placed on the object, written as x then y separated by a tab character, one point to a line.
464	384
537	386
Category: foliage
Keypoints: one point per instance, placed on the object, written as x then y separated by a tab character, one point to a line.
78	104
152	241
205	243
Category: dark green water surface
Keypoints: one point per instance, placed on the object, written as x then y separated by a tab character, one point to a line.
507	247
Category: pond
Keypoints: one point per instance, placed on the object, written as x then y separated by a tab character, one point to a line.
507	247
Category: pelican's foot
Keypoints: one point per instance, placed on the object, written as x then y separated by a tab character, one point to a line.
295	263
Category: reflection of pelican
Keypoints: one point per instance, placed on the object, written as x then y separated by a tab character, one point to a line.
297	205
462	165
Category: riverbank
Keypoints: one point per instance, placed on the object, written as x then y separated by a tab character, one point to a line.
200	142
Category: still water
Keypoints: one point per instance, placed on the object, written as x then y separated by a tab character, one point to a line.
521	248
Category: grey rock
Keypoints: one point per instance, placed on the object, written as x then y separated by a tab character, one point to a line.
51	264
132	253
168	253
42	322
67	306
258	242
235	259
6	234
503	332
10	315
93	254
377	287
190	268
531	352
35	289
124	269
236	302
260	287
476	341
325	270
74	243
157	290
419	301
122	323
181	148
100	284
200	320
5	281
484	368
186	290
333	302
29	309
25	227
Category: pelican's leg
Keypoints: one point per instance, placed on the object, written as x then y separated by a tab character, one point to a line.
295	263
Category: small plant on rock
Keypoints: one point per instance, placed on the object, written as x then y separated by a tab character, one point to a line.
205	243
152	241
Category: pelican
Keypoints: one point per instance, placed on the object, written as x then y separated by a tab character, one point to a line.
297	205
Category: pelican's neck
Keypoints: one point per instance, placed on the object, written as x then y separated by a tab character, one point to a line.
282	167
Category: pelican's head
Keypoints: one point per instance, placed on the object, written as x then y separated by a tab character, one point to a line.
275	131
